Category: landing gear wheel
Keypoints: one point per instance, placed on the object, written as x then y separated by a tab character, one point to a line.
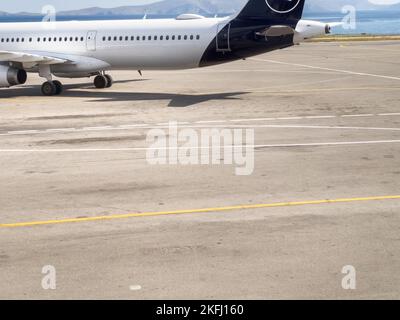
59	87
100	82
110	80
49	88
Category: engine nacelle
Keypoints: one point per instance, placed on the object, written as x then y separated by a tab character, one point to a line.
307	29
10	76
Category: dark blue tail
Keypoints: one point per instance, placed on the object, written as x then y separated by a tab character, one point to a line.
272	10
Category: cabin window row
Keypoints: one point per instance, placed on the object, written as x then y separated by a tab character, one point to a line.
150	38
115	38
44	39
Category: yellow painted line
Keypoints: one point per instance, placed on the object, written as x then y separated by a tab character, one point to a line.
354	38
191	211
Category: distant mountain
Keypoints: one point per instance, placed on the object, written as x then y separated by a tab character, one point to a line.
211	7
166	7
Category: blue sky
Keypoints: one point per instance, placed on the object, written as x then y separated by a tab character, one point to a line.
36	5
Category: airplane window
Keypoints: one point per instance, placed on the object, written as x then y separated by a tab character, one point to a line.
162	38
126	38
185	37
198	37
179	37
109	38
12	40
115	38
30	39
60	39
173	37
191	37
149	38
44	39
167	37
23	40
17	40
155	37
138	38
76	39
121	38
66	39
55	38
71	39
144	38
132	38
82	38
38	39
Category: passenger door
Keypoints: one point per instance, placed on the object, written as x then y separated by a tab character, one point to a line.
91	40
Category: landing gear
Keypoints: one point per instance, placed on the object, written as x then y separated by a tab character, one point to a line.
110	80
52	88
59	87
103	81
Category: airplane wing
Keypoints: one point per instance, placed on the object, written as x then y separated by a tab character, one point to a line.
29	58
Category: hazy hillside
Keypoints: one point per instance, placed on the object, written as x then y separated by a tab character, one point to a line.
211	7
167	7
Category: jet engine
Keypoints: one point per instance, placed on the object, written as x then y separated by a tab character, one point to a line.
307	29
10	76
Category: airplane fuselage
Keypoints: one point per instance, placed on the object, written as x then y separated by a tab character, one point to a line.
139	44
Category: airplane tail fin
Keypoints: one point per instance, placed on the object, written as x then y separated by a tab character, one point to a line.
274	10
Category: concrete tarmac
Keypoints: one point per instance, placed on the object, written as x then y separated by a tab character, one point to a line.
326	123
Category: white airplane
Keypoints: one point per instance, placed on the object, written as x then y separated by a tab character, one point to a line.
91	48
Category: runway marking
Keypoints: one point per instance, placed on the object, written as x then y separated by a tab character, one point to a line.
210	121
135	288
194	211
389	114
290	118
250	120
60	130
319	117
128	126
98	128
150	126
24	132
329	69
357	115
260	146
321	127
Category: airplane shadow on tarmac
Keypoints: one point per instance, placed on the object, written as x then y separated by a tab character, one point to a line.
86	90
